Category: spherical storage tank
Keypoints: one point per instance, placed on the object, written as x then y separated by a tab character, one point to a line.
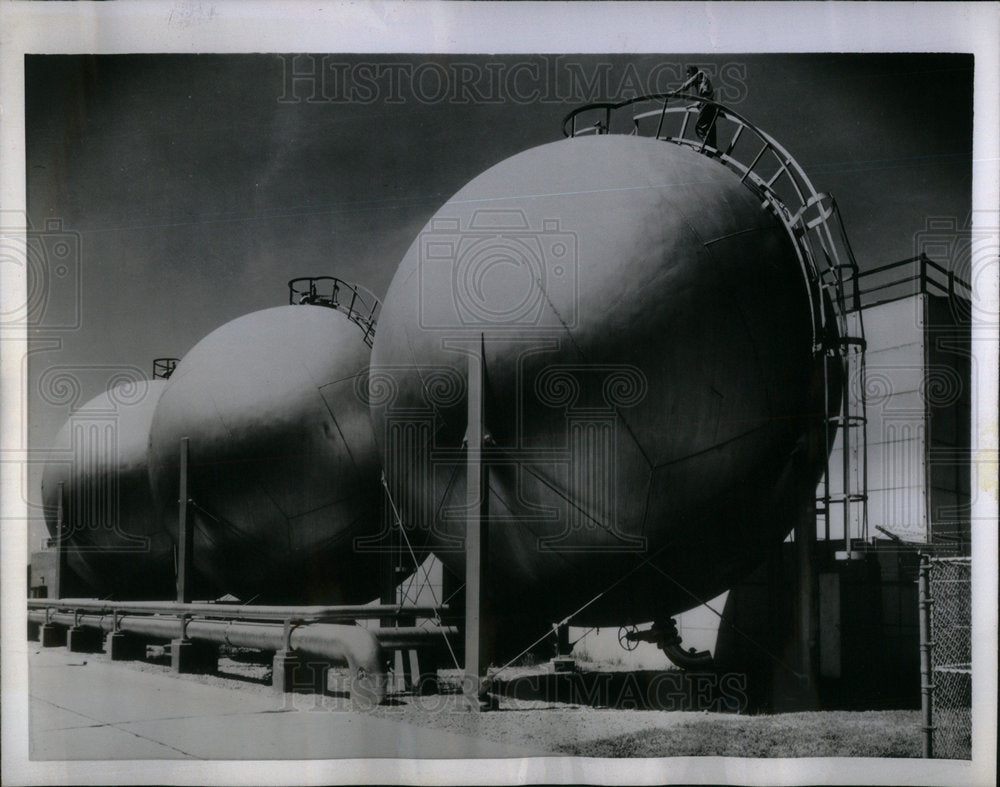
653	404
283	468
114	542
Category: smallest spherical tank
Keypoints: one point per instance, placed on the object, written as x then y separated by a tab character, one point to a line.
113	540
283	471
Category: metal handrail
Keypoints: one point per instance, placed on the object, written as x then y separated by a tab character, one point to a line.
359	303
813	223
164	367
953	285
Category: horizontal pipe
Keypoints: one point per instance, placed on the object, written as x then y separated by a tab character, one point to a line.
238	611
413	636
356	646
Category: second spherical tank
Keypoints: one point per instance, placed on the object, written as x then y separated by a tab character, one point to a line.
283	470
653	404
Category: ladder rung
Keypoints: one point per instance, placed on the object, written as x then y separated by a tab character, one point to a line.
850	420
736	136
778	173
763	150
856	497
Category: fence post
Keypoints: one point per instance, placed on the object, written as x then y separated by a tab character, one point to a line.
926	645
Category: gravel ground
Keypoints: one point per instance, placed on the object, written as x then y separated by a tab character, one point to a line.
601	732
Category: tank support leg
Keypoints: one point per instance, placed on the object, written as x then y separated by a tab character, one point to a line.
805	539
61	571
563	660
425	672
185	531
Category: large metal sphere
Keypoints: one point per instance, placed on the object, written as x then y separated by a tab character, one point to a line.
284	471
114	541
650	382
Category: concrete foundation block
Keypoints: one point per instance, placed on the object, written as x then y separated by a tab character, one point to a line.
291	673
124	647
33	631
83	640
52	636
188	656
563	664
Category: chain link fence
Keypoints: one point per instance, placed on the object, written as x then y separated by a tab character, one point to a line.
946	656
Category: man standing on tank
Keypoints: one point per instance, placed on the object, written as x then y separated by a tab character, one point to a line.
700	83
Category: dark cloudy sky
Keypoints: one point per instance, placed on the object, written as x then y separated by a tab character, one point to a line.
198	185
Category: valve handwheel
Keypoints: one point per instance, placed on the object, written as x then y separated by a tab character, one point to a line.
626	637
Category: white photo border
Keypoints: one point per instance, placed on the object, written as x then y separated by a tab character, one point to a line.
500	28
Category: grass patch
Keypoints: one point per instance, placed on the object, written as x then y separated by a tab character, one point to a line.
832	734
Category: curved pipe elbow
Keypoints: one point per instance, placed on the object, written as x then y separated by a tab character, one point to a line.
358	647
689	659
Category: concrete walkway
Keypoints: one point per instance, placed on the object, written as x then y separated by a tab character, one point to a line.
85	708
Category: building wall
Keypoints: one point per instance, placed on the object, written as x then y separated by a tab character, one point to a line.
897	418
948	393
918	433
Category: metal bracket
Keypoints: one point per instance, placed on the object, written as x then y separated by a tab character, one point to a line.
290	625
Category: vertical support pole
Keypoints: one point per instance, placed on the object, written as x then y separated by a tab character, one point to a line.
61	562
388	571
827	439
805	539
388	594
185	531
926	646
563	647
845	431
476	530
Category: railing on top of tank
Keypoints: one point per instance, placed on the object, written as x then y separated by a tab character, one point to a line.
359	303
813	223
925	276
164	367
765	167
